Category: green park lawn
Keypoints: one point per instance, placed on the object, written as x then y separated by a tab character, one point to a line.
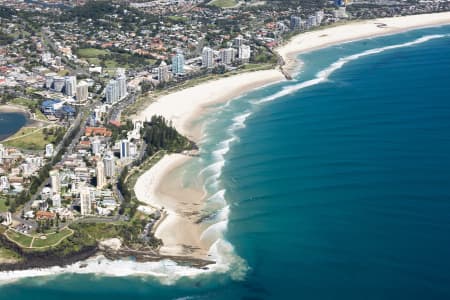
223	3
30	138
91	52
20	239
51	238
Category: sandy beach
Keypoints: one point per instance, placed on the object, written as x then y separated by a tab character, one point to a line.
162	187
11	108
184	107
352	31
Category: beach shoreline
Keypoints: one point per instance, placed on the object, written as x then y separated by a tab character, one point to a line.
31	121
354	31
184	108
161	186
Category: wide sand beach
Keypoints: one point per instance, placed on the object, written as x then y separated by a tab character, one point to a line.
162	187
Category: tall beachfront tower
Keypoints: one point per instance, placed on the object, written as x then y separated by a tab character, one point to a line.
296	23
58	83
82	91
2	153
87	197
207	58
178	63
163	72
101	179
124	148
228	55
244	53
122	86
112	92
70	86
110	167
55	181
116	89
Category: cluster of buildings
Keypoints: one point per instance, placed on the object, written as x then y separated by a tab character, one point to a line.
296	22
54	63
82	183
116	89
67	85
176	39
17	168
237	52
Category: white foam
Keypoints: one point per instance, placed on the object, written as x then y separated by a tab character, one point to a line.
214	232
221	251
213	168
227	261
324	74
166	271
218	197
239	121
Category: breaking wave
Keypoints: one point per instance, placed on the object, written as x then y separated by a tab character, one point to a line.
222	251
323	75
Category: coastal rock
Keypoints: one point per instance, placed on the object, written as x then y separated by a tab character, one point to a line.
111	244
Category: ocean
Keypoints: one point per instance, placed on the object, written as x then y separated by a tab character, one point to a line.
335	185
10	123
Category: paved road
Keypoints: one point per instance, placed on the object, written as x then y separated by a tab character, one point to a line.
68	64
79	120
117	109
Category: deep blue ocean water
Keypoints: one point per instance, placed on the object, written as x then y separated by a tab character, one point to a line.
339	190
10	123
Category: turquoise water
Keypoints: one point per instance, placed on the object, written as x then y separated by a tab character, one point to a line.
10	123
332	186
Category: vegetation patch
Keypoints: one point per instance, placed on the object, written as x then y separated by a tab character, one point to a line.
9	256
32	138
51	239
223	3
160	137
177	19
31	105
91	52
129	233
20	239
3	206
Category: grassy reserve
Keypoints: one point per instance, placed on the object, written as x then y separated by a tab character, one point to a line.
39	240
20	239
91	52
32	138
223	3
112	60
51	239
